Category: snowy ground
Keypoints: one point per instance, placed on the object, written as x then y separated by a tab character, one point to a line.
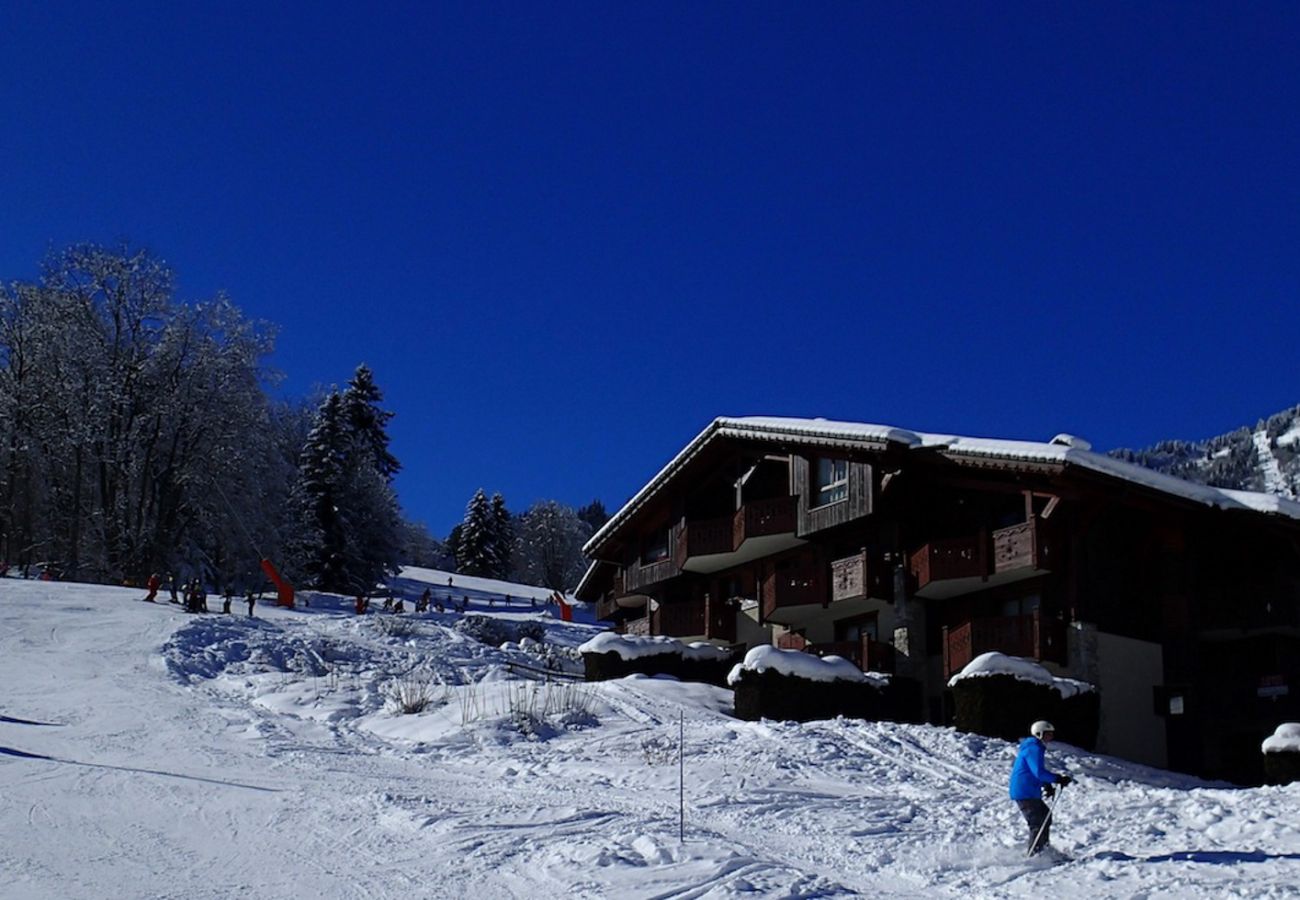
147	753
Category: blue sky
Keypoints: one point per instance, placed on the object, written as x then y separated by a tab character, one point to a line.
566	236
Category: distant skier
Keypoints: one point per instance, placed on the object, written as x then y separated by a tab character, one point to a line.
153	584
171	587
1031	780
360	604
250	600
226	598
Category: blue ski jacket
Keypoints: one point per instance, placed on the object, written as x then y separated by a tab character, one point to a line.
1029	773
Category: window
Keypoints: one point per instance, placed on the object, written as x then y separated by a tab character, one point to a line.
654	547
830	481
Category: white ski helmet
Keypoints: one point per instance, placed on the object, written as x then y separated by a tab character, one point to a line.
1041	727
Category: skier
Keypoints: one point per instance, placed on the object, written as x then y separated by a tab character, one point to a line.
153	584
1030	780
171	587
250	600
360	605
225	601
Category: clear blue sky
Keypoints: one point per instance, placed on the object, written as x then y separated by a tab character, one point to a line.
566	236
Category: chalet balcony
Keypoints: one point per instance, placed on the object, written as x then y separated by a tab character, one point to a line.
679	619
785	590
705	618
640	575
961	565
941	566
707	537
1034	636
759	528
1021	547
765	518
606	608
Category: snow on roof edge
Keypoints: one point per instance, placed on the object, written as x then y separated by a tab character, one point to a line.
826	432
821	431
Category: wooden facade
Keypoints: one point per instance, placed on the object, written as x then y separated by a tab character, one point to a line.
1031	558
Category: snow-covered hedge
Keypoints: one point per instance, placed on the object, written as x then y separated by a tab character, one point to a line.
802	665
611	655
999	696
1021	669
796	686
1286	739
1282	754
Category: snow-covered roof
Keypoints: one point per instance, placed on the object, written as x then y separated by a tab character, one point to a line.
1285	740
1062	451
803	665
632	646
1021	669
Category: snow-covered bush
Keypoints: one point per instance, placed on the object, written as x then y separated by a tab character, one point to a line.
1282	754
999	696
536	709
414	692
609	655
397	626
772	683
495	632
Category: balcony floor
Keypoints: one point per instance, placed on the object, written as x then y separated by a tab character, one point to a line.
953	587
752	549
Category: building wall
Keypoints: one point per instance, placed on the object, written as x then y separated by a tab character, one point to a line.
1128	670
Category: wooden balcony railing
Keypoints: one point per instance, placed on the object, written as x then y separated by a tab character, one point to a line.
714	619
640	575
1033	637
679	618
606	608
760	518
1021	547
792	587
963	557
704	538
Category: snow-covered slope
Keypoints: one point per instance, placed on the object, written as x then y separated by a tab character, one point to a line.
147	753
1263	458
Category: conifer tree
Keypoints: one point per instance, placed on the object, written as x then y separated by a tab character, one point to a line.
318	545
368	422
474	553
502	537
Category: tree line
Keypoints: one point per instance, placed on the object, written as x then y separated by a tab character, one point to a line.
139	433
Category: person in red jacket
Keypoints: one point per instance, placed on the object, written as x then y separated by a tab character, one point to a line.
153	584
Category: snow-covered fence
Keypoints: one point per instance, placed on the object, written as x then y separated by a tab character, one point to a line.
998	696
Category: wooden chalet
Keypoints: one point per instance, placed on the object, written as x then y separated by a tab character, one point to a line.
912	553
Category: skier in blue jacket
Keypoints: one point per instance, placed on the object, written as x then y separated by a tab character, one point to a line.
1030	780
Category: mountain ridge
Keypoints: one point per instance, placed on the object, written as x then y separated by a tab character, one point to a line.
1264	458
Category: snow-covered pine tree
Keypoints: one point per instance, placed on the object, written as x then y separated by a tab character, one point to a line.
474	554
502	537
368	421
317	546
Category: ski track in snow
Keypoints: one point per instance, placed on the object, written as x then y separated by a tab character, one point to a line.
1274	480
147	753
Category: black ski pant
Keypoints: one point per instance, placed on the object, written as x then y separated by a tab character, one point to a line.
1035	813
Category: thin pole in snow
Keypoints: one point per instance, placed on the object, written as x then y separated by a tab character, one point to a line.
681	776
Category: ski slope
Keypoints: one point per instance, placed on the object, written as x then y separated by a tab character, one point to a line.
149	753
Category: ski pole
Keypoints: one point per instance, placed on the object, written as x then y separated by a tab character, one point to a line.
1060	792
